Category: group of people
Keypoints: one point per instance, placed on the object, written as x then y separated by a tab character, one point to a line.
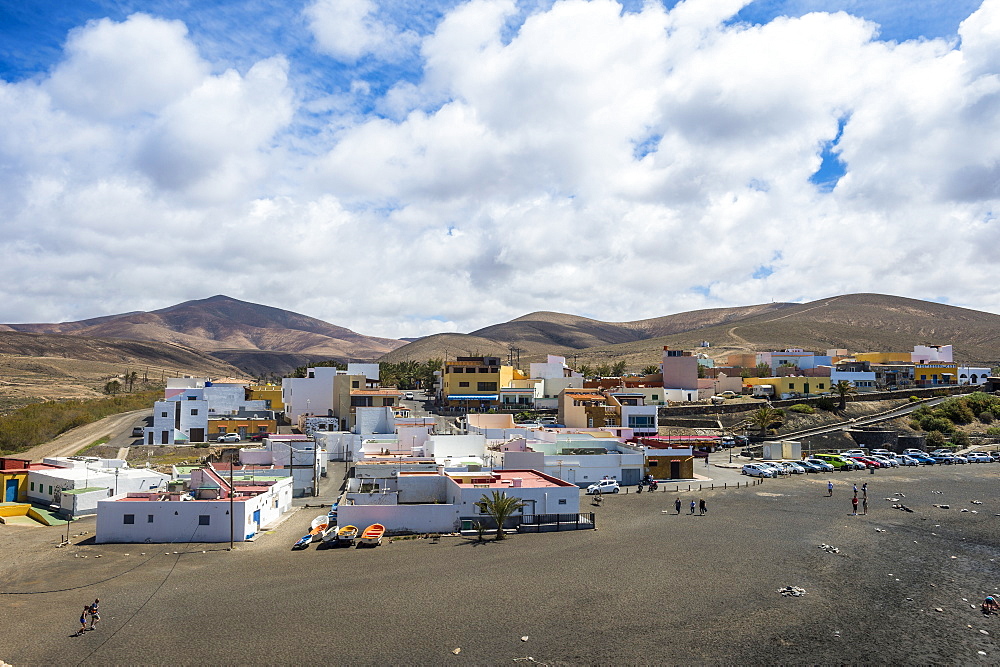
702	506
92	612
863	501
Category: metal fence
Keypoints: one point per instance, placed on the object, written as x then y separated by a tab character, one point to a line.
537	523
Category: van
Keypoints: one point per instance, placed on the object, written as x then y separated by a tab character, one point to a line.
837	461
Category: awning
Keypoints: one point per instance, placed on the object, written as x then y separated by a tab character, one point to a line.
474	397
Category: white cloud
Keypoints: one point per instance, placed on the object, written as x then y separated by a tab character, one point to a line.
349	30
578	158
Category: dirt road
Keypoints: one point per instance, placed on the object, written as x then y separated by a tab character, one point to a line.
119	427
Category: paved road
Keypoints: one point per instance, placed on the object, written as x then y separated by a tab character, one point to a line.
862	421
119	427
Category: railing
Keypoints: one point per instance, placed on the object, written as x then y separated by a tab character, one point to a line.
556	522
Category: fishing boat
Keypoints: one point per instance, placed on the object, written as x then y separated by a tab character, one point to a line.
346	535
303	542
319	524
330	534
372	535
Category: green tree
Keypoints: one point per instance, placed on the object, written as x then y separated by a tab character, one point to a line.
500	507
842	389
131	378
935	439
112	388
762	371
764	417
300	372
602	370
651	370
586	371
618	369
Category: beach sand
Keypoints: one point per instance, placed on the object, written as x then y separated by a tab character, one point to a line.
646	587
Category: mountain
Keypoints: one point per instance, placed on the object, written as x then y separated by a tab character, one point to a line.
857	322
223	325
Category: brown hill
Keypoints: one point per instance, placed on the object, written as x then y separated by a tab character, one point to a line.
51	366
857	322
223	323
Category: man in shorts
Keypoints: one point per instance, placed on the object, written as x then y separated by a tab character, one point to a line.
95	614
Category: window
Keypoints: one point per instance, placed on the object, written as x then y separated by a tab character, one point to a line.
820	385
192	398
50	489
486	386
194	412
222	429
203	519
163	414
654	397
149	518
361	401
562	501
262	429
128	519
355	384
463	384
32	486
791	385
484	370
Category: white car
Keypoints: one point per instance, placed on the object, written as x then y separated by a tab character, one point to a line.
824	466
229	437
408	395
914	452
882	452
792	467
757	470
603	486
892	463
854	452
978	457
905	460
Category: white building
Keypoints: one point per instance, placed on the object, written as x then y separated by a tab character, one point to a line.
974	375
425	502
180	517
578	458
306	459
182	415
76	487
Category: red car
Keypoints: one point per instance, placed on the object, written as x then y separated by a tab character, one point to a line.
869	463
257	437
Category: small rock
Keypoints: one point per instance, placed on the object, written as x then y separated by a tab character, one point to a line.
456	651
938	609
981	652
524	638
983	632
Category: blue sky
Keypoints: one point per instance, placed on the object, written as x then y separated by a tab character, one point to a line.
500	152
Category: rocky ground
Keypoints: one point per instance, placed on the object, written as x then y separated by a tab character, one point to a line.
647	587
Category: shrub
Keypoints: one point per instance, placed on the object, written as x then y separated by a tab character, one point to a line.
993	430
802	408
987	417
914	399
937	424
827	404
915	425
960	439
957	411
936	439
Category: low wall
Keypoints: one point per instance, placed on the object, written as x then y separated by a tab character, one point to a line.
436	518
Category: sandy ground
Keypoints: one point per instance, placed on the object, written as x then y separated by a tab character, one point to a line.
646	587
119	426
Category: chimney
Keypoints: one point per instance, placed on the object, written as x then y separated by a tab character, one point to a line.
440	470
516	482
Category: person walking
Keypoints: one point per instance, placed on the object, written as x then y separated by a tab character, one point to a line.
864	505
855	489
864	490
829	488
95	614
854	504
702	507
83	621
677	505
692	506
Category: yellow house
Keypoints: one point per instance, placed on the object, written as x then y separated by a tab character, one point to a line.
784	387
14	478
475	382
266	392
351	392
588	408
245	427
884	357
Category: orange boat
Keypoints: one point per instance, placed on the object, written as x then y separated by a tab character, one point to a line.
372	535
318	526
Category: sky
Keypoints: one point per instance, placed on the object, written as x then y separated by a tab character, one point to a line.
404	168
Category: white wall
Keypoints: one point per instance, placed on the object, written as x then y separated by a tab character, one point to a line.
445	446
582	470
402	518
370	371
340	445
374	420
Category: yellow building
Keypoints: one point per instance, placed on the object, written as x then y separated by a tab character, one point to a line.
784	387
245	427
884	357
14	478
266	392
588	408
475	382
351	392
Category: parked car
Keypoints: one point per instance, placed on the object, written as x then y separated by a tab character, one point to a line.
819	465
837	461
884	460
905	460
942	450
728	394
959	458
945	459
923	459
881	452
978	457
866	462
792	467
229	437
757	470
914	452
603	486
775	468
995	456
136	431
854	452
408	395
257	437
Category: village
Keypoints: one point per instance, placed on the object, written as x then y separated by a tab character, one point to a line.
440	460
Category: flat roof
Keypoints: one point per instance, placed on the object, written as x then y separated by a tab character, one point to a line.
504	479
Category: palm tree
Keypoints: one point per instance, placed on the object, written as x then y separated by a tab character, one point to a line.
499	506
113	387
842	389
764	416
618	369
586	371
651	370
602	370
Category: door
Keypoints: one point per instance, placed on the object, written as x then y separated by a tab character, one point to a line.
805	388
197	435
10	496
630	476
529	508
675	470
570	475
256	520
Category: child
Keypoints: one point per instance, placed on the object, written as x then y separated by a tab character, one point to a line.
95	615
83	620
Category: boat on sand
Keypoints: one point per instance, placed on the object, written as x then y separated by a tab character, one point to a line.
372	535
